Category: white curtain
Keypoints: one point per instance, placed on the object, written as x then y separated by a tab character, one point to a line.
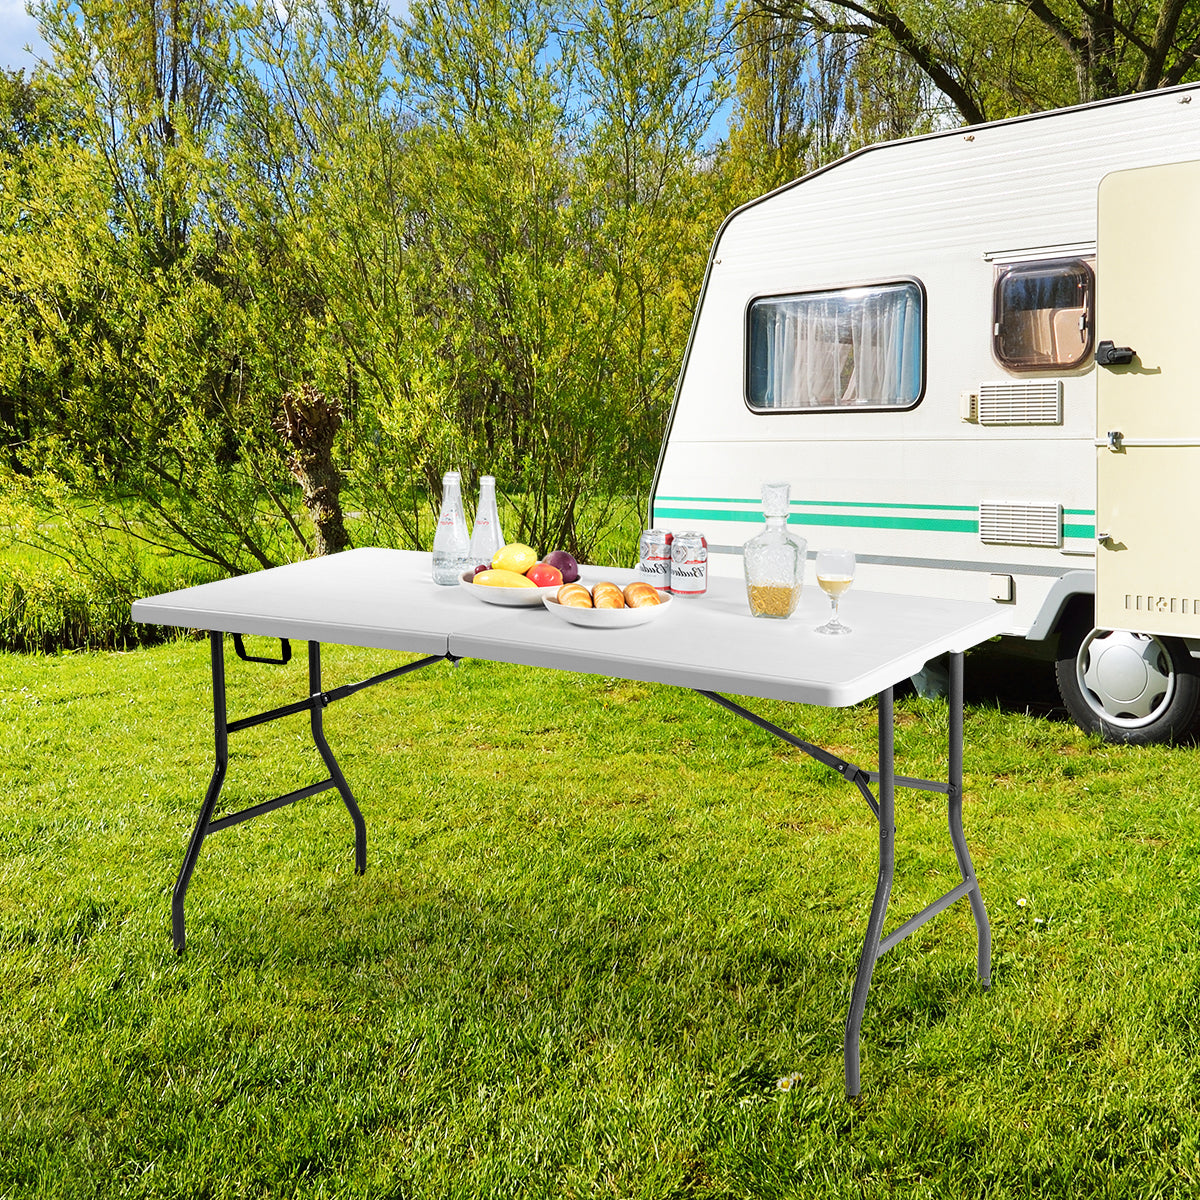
857	348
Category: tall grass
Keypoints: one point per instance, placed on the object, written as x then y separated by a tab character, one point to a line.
601	925
48	604
64	601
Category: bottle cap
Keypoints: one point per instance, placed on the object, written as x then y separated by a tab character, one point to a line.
775	498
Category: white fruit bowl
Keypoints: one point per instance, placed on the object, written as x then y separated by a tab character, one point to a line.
510	597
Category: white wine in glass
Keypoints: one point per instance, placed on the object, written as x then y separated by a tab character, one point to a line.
835	574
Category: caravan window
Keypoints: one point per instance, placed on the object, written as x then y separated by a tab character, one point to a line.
1043	315
854	348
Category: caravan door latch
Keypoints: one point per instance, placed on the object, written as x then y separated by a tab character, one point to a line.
1108	355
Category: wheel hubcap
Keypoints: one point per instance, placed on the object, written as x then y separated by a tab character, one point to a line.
1125	677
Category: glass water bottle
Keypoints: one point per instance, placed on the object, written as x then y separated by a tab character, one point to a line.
451	542
486	536
774	559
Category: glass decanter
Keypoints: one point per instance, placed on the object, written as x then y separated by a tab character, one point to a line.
774	559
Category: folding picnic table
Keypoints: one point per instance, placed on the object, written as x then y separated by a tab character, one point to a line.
386	599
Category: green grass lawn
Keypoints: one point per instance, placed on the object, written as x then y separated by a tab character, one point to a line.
600	922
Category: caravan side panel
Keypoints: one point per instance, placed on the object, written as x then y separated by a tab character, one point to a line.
931	502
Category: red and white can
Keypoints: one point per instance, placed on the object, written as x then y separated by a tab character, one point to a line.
689	564
654	558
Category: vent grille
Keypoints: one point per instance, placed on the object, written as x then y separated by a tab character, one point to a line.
1036	402
1021	524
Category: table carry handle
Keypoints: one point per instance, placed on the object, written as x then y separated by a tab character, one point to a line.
285	652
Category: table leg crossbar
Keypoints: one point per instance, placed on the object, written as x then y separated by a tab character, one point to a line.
847	770
875	945
314	704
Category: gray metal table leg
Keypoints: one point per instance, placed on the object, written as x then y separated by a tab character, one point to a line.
331	765
314	704
875	944
221	746
883	891
955	779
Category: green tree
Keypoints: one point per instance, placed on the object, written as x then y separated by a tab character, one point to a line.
778	118
992	59
556	149
321	223
512	345
130	337
478	235
31	115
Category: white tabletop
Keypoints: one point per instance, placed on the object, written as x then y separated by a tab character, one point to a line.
387	599
370	597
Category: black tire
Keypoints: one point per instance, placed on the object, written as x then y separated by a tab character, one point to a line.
1134	688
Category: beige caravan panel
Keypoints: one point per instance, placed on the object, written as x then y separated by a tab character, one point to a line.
1148	409
1148	569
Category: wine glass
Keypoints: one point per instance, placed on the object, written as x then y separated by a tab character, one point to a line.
835	574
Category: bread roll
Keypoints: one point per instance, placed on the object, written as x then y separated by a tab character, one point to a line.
640	594
607	595
574	595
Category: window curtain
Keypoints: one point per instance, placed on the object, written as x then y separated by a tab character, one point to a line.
839	349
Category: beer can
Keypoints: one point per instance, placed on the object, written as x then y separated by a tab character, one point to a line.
689	564
654	558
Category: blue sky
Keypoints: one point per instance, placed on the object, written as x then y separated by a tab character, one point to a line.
17	30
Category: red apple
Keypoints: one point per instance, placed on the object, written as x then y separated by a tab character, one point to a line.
544	575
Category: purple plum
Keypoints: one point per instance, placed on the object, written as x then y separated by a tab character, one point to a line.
565	563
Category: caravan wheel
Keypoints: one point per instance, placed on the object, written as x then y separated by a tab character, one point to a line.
1127	687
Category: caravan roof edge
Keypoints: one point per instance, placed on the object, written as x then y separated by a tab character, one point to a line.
956	131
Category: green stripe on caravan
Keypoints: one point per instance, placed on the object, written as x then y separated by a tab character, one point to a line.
751	514
849	520
825	504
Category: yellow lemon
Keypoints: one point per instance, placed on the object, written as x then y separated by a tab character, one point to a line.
516	556
503	578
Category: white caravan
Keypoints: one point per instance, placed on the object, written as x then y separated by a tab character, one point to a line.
908	336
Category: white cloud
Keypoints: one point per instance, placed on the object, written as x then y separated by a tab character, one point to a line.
18	30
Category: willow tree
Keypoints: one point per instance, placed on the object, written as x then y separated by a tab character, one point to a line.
322	220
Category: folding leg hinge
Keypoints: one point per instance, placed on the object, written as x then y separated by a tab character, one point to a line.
856	775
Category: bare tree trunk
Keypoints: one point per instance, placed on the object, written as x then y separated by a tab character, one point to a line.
308	423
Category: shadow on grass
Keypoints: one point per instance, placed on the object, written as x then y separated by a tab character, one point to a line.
997	676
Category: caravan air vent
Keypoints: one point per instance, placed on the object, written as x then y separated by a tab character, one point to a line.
1037	402
1021	524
